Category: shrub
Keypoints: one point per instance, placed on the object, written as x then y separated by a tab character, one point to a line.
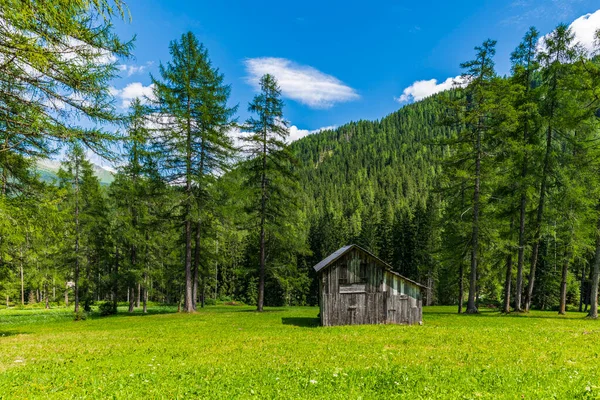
107	308
80	316
209	302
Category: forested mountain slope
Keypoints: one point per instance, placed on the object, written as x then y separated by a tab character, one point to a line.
374	162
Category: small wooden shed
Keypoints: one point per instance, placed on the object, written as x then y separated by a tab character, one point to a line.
356	288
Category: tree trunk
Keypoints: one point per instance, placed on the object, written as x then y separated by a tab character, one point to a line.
263	208
461	288
562	310
77	233
521	255
22	285
196	266
582	289
203	291
507	282
131	299
188	296
116	279
539	219
137	300
471	305
216	269
588	291
145	304
46	297
593	313
188	299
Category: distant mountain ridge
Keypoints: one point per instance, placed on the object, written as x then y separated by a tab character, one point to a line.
48	170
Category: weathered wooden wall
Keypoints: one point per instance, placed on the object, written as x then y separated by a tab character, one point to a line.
357	289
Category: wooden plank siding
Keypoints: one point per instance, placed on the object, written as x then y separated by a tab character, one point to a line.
357	288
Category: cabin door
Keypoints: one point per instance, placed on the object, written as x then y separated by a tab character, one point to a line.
396	308
389	308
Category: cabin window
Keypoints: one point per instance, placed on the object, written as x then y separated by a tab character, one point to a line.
343	275
357	271
363	272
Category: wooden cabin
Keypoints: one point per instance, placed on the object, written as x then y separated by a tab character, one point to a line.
356	288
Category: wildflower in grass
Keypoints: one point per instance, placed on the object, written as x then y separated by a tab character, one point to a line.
313	382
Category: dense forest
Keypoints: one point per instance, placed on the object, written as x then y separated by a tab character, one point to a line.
488	193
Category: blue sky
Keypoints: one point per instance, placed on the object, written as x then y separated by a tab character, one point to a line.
337	61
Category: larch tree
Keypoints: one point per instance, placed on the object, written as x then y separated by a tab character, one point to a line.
71	176
193	122
136	184
557	53
56	62
57	59
472	110
269	176
525	67
595	268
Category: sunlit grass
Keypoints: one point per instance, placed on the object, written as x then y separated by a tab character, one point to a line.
234	352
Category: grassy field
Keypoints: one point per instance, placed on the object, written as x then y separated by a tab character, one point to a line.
234	352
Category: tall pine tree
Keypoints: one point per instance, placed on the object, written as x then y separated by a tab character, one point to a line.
269	175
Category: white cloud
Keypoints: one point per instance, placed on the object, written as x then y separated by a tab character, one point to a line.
297	133
134	90
585	28
134	69
101	162
302	83
75	48
422	89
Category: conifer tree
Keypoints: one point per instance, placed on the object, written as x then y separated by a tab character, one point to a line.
525	67
269	176
71	177
472	112
558	52
594	73
193	125
58	59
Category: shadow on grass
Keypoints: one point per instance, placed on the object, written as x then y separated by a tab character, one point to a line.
303	322
4	334
263	311
136	313
489	313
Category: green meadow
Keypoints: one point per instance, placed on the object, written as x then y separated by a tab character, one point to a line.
225	352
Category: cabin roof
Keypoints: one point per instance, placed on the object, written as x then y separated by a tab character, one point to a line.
343	250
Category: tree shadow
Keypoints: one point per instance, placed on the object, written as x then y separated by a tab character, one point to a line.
4	334
302	322
487	313
135	313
